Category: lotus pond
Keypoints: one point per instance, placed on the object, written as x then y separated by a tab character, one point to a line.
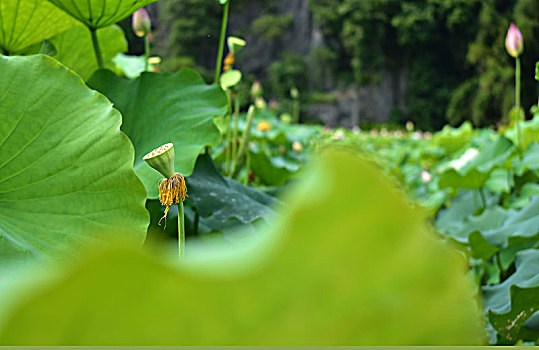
246	227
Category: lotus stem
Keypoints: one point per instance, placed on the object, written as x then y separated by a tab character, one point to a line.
245	141
221	43
235	132
181	231
517	104
146	53
97	48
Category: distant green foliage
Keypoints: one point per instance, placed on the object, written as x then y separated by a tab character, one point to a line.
271	27
289	72
455	51
194	30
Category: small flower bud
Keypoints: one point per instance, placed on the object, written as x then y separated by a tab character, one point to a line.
294	93
256	89
514	43
409	126
297	146
141	23
286	118
260	103
426	176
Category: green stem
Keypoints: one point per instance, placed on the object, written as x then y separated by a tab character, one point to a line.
181	231
228	131
221	43
235	133
500	266
517	103
245	141
483	200
146	53
97	48
195	223
227	164
517	82
295	110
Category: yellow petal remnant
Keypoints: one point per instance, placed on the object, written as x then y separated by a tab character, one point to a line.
264	125
171	190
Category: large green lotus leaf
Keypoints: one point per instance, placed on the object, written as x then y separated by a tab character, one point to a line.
223	198
332	270
474	172
27	22
506	303
100	13
65	171
158	108
75	49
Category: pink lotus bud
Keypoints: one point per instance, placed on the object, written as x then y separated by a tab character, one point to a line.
425	176
141	23
513	41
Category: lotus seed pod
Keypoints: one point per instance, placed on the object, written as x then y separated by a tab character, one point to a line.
514	43
162	159
141	23
235	44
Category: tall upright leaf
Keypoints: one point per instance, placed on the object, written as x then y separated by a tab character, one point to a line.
161	107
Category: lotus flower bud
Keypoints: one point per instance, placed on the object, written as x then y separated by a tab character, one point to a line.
294	93
256	89
260	103
286	118
513	41
409	126
426	176
297	146
141	22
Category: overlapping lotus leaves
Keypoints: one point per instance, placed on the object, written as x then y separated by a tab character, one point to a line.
530	132
75	49
523	224
473	172
100	13
223	198
530	161
66	172
27	22
452	139
367	280
510	303
272	171
162	108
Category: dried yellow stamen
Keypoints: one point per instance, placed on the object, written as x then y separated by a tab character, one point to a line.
171	190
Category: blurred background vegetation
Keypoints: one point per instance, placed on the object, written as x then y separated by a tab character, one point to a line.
428	61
